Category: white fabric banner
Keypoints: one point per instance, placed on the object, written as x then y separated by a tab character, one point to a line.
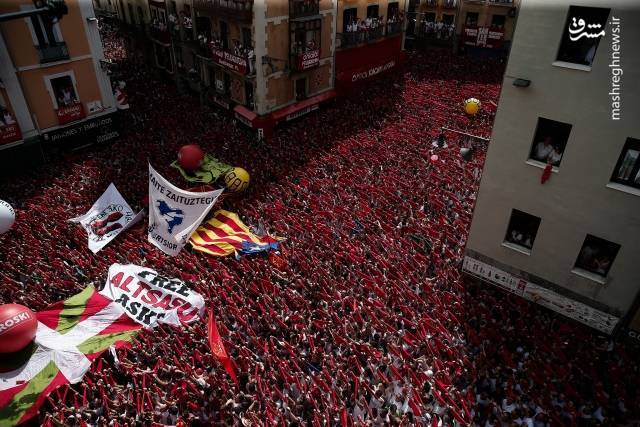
149	298
174	214
109	216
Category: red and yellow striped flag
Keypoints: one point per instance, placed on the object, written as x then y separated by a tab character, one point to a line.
225	234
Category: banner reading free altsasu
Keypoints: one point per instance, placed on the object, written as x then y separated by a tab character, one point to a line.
174	214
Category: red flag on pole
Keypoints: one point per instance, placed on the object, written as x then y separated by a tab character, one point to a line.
546	174
217	348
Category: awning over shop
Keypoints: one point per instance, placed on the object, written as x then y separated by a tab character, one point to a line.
244	115
301	108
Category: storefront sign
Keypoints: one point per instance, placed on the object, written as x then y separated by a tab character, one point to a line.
98	130
357	76
243	119
302	112
547	298
70	113
229	60
308	59
483	37
9	134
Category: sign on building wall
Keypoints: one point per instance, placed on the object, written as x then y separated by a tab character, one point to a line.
545	297
483	37
308	59
98	130
9	129
229	60
70	113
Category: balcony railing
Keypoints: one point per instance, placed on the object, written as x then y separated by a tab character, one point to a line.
302	8
231	9
52	53
354	38
394	28
449	4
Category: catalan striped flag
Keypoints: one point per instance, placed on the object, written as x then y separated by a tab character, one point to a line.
225	234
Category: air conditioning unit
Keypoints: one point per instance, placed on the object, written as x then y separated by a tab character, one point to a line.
94	107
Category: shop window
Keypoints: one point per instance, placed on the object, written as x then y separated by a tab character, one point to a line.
63	90
471	20
522	229
584	28
596	256
349	17
627	170
550	141
498	21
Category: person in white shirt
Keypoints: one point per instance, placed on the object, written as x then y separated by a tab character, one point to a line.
543	149
555	156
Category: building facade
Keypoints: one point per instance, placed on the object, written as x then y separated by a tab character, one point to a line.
485	25
369	40
556	219
54	86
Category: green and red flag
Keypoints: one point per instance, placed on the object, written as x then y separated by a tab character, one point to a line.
70	335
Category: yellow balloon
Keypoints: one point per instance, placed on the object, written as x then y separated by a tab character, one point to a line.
237	179
472	106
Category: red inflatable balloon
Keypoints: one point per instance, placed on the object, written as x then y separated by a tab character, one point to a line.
190	157
18	327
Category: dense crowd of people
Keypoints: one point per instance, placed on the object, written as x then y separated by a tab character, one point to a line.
366	322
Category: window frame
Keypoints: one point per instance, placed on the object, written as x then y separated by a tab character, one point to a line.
630	144
504	22
562	61
55	27
49	77
592	275
536	139
344	21
466	19
506	241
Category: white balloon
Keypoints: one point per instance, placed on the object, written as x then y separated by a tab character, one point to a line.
7	216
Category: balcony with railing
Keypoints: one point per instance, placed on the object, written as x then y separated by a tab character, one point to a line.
449	4
361	34
235	10
303	8
52	52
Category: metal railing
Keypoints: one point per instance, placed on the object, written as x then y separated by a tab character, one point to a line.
238	9
53	52
302	8
360	37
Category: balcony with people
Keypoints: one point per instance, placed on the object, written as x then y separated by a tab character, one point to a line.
305	44
238	10
369	30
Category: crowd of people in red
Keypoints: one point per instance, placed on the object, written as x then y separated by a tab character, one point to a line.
366	322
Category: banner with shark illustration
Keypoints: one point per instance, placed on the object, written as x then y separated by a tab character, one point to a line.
174	214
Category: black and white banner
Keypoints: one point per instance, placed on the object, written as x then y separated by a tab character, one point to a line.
109	216
174	214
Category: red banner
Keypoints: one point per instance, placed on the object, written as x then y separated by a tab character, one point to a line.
70	113
229	60
366	62
483	37
10	133
308	59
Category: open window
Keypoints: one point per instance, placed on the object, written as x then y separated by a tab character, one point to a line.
627	170
581	34
349	17
596	256
63	90
471	19
497	21
522	230
550	141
